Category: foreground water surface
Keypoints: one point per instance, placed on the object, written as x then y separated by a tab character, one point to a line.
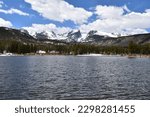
72	77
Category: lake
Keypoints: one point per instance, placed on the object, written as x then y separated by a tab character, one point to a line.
72	77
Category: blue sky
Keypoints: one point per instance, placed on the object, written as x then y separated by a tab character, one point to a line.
125	16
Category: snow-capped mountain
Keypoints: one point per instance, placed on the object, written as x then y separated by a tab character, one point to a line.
73	36
92	37
105	34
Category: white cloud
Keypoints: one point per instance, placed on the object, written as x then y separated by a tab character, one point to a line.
109	11
113	19
5	23
60	10
14	11
147	10
46	27
1	3
133	31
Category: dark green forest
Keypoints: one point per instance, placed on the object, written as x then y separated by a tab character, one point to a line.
17	47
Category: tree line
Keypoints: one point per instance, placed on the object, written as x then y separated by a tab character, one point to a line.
17	47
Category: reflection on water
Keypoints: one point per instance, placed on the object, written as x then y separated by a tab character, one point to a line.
71	77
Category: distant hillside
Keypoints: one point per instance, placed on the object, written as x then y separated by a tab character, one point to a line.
14	34
121	41
22	36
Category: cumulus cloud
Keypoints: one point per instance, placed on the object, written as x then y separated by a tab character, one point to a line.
147	10
114	19
46	27
14	11
110	19
60	10
5	23
109	11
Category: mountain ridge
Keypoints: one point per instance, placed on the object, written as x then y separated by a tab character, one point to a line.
93	37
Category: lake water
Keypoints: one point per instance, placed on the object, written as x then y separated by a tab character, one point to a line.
72	77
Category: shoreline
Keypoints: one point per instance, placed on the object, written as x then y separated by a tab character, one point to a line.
138	56
82	55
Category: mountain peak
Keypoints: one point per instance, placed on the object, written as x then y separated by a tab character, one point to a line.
74	36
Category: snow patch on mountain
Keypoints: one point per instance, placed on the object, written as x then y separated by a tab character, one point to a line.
105	34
